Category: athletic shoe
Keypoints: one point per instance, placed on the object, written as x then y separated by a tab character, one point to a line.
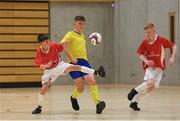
100	72
37	110
134	106
75	104
132	94
100	107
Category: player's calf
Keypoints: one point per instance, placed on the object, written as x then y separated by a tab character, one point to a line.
151	86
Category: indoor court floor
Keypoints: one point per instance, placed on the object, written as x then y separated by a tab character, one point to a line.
17	103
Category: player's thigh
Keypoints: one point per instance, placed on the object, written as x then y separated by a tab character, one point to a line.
150	89
151	85
72	68
90	79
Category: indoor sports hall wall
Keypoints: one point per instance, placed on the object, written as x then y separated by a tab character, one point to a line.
130	18
121	25
20	23
99	17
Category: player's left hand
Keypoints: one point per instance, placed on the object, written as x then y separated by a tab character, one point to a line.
42	66
171	60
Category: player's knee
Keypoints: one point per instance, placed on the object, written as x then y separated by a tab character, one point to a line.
151	87
43	91
150	83
150	90
80	89
44	88
90	79
91	83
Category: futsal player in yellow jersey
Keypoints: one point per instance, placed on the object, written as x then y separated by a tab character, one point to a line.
76	43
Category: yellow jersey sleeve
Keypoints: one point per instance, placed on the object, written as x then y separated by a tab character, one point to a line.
67	37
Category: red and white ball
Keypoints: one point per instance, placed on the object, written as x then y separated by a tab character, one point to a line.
95	38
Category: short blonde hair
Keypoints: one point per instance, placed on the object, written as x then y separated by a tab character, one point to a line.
149	25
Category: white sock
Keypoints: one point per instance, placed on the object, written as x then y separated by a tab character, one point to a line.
87	70
41	98
142	87
140	96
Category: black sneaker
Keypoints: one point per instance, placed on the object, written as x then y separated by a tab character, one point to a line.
100	72
100	107
37	110
75	104
132	94
134	106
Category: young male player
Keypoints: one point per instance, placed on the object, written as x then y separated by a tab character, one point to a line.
48	59
75	41
152	53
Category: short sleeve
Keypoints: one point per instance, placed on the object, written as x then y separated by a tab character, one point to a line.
59	47
166	43
38	58
67	37
142	48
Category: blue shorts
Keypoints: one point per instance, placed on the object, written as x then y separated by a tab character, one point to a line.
77	74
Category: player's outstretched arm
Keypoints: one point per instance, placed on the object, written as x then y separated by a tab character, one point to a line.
172	58
65	42
67	53
148	62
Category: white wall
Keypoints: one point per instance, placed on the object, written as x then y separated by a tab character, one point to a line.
130	18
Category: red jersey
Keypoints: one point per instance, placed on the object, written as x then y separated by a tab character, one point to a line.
52	55
155	51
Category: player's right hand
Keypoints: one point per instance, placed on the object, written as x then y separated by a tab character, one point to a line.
171	61
42	66
150	63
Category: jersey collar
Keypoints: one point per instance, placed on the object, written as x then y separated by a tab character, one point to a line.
44	51
77	32
154	39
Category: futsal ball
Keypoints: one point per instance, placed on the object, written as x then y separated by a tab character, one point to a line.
95	38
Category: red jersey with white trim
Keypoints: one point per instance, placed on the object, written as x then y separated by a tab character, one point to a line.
52	55
155	51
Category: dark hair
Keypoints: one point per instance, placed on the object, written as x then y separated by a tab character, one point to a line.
42	37
79	18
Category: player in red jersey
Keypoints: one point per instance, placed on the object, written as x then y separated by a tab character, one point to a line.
48	59
152	53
